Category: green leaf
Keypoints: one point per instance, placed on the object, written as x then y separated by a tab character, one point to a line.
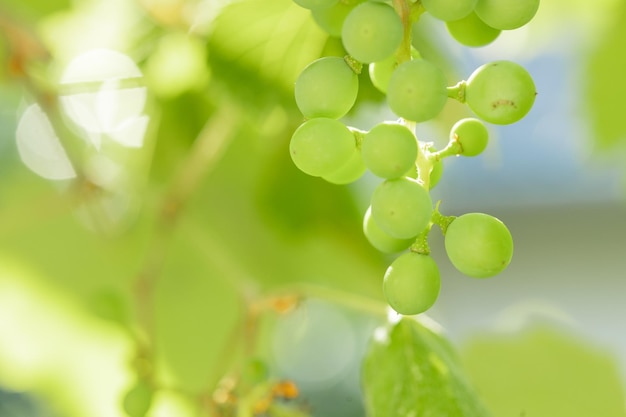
544	371
410	370
605	88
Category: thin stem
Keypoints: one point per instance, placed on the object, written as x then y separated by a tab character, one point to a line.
206	152
457	91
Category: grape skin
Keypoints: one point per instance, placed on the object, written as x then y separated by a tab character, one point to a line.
478	245
506	14
411	283
500	92
371	32
401	207
327	87
417	90
321	146
471	31
315	4
137	401
349	172
381	240
389	150
331	19
471	134
447	10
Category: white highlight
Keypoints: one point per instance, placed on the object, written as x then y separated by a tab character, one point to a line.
39	146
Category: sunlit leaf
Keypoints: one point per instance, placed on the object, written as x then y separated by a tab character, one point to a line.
544	371
411	371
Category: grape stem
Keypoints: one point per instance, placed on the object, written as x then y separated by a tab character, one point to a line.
440	220
457	91
409	13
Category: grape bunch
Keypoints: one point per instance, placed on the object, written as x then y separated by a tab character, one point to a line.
401	214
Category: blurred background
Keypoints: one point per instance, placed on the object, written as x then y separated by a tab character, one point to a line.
153	226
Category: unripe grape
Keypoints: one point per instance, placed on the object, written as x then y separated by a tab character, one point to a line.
331	19
417	90
471	31
401	207
380	71
471	134
372	31
349	172
506	14
389	150
315	4
381	240
321	146
447	10
478	245
411	284
327	87
500	92
138	399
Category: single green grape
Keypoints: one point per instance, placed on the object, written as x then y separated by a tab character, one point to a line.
321	146
478	245
401	207
381	240
471	31
349	172
447	10
417	90
506	14
500	92
471	134
316	4
137	401
327	87
380	71
389	150
411	284
331	19
372	31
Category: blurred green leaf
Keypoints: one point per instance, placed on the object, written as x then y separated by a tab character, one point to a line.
605	88
411	371
544	371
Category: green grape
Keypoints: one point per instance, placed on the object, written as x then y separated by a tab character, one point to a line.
471	134
380	71
471	31
327	87
417	90
372	31
321	146
500	92
315	4
506	14
435	174
389	150
411	284
478	245
138	399
331	19
401	207
381	240
349	172
447	10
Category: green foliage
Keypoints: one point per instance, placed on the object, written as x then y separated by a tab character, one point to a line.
602	77
410	370
545	371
